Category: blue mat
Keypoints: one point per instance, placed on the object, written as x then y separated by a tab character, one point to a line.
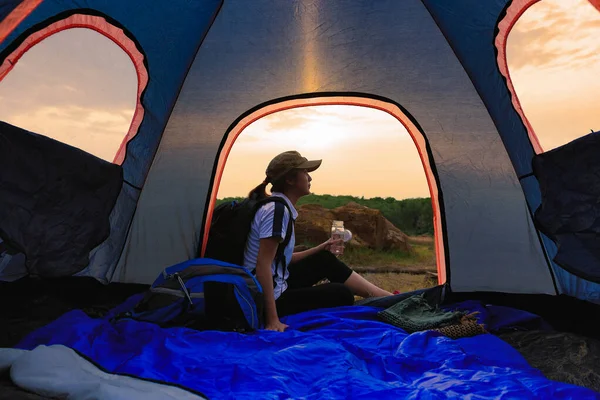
336	353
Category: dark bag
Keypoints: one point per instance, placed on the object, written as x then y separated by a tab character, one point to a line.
230	228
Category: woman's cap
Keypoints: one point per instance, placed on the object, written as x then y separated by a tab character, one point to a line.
287	161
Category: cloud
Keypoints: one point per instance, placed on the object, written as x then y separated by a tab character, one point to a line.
99	132
555	34
62	71
323	124
291	119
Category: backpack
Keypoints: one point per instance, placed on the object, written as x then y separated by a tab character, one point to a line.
202	294
230	227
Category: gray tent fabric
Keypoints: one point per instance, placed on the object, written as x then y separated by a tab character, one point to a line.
255	53
436	66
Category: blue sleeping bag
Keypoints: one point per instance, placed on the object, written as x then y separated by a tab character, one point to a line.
337	353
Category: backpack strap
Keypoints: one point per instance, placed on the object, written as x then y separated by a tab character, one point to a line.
280	254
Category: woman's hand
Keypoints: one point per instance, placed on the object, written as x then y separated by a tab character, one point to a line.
330	242
323	246
275	325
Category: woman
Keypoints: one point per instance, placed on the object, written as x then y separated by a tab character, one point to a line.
291	290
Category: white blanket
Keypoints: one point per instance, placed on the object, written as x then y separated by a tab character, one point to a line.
58	371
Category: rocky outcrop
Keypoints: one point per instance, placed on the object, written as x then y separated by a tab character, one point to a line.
368	226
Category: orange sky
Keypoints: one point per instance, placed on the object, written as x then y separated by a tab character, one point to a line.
86	99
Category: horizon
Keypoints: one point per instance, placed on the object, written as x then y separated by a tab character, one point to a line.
87	98
339	195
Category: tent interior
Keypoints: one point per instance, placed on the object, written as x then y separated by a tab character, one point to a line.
81	238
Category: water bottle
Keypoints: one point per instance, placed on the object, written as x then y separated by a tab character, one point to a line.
338	232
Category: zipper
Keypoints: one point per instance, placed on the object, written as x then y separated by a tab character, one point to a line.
249	305
176	292
184	289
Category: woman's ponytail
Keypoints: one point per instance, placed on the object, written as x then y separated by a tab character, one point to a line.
259	192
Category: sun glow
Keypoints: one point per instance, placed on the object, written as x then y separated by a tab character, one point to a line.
361	148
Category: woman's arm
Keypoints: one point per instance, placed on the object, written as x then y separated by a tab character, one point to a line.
266	254
323	246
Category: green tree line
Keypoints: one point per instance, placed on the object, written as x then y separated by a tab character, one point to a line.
412	216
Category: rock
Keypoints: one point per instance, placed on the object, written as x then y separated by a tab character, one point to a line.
313	224
368	226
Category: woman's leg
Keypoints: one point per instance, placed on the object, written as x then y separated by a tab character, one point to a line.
294	301
364	288
324	264
315	268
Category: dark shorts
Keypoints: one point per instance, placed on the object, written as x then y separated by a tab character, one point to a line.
301	294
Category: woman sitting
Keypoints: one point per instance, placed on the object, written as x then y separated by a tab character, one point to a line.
288	284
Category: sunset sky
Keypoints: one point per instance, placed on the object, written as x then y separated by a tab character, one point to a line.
79	87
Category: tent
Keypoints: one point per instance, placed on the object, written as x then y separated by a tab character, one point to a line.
514	225
213	67
207	69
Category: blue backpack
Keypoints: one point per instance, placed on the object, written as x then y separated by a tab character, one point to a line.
203	294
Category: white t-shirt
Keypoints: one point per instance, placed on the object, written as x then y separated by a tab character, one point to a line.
271	220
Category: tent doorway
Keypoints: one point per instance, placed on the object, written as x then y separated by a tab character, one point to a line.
368	160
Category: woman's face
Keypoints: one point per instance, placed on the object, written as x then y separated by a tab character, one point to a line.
302	183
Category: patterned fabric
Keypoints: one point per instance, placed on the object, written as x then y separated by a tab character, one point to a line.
467	327
416	314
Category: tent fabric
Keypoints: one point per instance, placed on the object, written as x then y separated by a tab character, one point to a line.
255	53
12	263
571	284
569	213
12	13
209	63
7	7
184	23
566	282
47	189
470	28
335	353
486	66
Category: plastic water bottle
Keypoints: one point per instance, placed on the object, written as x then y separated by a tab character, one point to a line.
338	232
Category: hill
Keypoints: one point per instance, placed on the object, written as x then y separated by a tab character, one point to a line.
412	216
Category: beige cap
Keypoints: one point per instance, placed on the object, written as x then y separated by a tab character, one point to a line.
287	161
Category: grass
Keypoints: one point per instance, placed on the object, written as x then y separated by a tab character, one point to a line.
422	256
401	282
396	270
364	259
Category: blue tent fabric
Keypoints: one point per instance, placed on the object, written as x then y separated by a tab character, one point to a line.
7	6
470	28
333	353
